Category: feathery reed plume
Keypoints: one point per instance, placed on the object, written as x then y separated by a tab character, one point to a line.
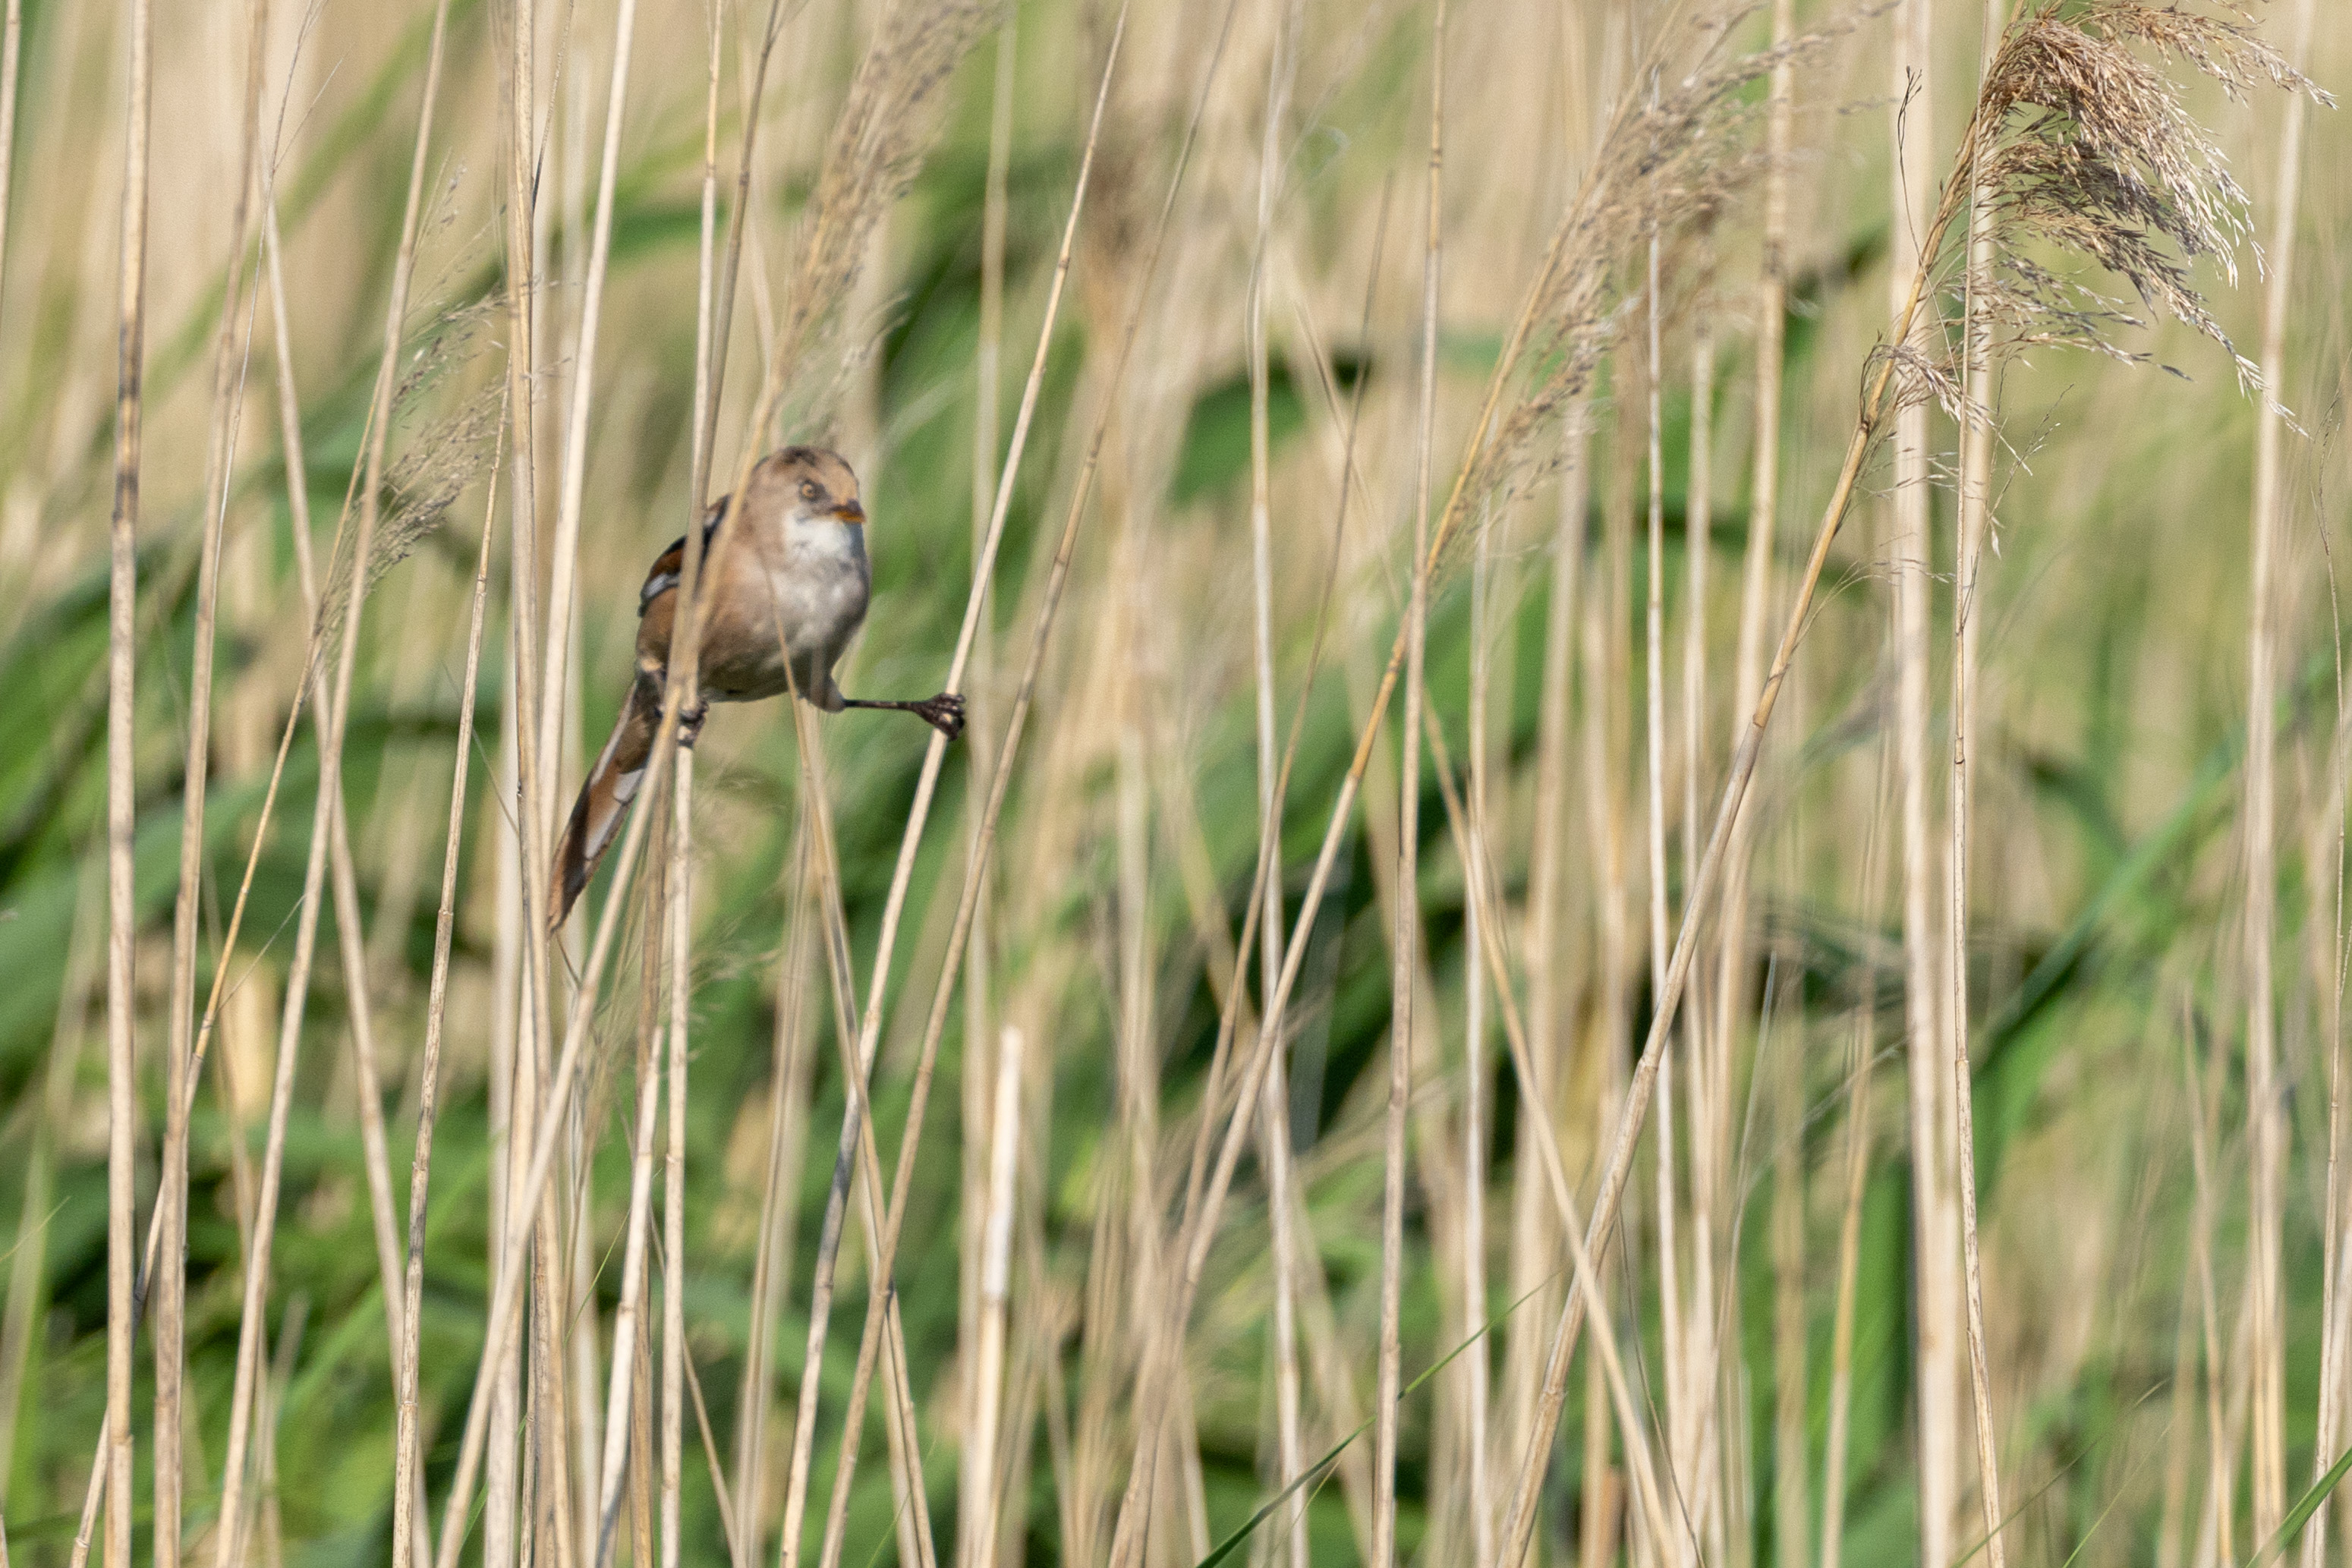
886	124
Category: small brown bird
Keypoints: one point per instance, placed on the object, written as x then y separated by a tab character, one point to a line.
790	579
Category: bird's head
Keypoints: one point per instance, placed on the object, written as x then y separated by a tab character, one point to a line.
811	485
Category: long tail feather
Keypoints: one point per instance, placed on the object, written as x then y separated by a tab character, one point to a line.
603	801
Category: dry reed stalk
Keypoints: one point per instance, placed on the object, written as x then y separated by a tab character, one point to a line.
1975	519
1656	1497
12	44
1405	944
641	1431
1861	1063
986	432
1841	1399
1792	1509
1934	1222
562	590
1710	1076
322	603
1547	1005
919	813
1004	1127
281	1378
2180	1431
2217	1529
2325	946
877	137
374	1147
681	685
618	1408
506	1005
1604	639
1476	1368
330	684
1675	1420
772	1263
121	796
525	1194
715	296
1275	1115
2115	131
2266	1130
974	875
2327	839
1561	285
1124	609
975	881
912	1517
1763	509
409	1543
169	1287
527	1105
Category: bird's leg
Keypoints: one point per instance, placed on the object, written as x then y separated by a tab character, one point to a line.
943	712
689	722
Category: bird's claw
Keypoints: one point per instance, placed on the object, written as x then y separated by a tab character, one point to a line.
690	723
943	713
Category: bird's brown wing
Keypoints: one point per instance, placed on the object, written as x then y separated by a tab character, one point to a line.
670	564
612	783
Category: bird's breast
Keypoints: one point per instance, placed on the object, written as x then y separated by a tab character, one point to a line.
821	587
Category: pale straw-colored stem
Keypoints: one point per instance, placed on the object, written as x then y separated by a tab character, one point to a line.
2266	1130
1935	1223
1975	519
771	1262
1763	509
1547	966
562	590
170	1285
1654	647
715	300
884	1332
987	420
2217	1529
680	891
934	757
121	796
533	1125
1861	1064
1479	877
995	1294
1275	1135
326	837
12	49
1520	1523
1404	945
523	1196
626	1325
407	1497
1477	940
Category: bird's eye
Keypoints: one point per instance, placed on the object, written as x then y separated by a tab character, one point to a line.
808	489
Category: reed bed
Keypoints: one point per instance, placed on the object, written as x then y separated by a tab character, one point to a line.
1649	864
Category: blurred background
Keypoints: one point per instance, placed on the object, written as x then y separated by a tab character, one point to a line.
2154	929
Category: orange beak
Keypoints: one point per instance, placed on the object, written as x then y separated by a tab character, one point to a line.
850	512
